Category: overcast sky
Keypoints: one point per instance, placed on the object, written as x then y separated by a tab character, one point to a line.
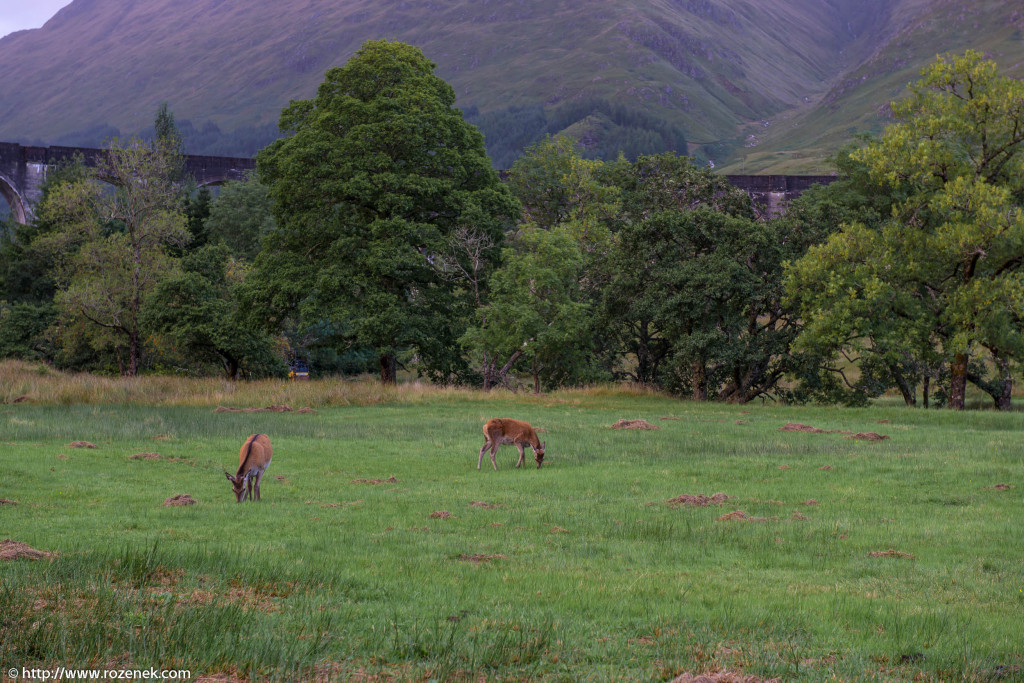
16	15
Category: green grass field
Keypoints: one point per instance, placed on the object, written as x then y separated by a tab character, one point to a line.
578	571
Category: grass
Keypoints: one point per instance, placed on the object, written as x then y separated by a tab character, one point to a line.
577	571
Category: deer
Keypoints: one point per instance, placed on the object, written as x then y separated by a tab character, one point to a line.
253	461
505	431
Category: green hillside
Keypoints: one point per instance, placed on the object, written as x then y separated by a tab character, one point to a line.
693	75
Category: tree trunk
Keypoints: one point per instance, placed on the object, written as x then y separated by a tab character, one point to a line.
700	381
958	381
231	367
388	372
133	354
927	380
536	377
1004	397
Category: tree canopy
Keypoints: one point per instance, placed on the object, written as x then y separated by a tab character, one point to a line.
373	178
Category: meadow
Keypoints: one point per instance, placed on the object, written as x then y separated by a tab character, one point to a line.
379	552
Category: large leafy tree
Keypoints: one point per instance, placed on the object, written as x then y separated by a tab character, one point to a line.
373	179
944	271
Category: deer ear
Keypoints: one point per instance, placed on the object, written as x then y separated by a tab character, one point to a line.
230	478
542	445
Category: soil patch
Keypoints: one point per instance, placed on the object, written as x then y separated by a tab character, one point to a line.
441	514
808	429
698	500
268	409
7	501
16	550
389	480
740	515
1000	487
890	553
558	530
722	677
633	424
146	456
797	517
810	502
480	558
180	499
22	399
82	444
485	506
867	436
825	467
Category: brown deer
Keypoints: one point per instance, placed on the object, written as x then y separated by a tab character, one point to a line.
501	431
253	461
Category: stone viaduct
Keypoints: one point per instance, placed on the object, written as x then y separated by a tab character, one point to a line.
23	169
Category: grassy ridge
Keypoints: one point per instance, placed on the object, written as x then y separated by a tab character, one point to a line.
597	579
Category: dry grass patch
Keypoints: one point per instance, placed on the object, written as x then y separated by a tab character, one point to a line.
722	677
441	514
891	553
698	500
180	499
16	550
485	506
374	482
82	444
633	424
741	516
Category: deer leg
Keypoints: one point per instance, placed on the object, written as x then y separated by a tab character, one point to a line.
480	460
259	479
494	449
249	491
522	455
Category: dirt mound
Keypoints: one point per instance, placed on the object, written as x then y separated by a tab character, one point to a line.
558	530
441	514
808	429
485	506
82	444
810	502
389	480
698	500
21	399
146	456
890	553
180	499
480	558
825	467
1000	487
740	515
722	677
16	550
268	409
633	424
7	501
797	517
867	436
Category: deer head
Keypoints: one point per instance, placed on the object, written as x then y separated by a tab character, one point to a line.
538	455
237	486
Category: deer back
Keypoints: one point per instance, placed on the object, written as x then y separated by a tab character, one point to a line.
515	431
255	454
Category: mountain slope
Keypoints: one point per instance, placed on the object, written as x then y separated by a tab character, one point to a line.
655	73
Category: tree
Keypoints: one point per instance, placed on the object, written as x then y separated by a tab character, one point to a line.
535	314
945	268
373	178
110	248
197	309
241	217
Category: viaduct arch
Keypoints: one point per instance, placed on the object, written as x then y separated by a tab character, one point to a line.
23	170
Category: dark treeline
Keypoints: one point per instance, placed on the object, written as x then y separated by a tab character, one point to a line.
378	238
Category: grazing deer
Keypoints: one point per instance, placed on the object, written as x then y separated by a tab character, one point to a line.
501	431
253	461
